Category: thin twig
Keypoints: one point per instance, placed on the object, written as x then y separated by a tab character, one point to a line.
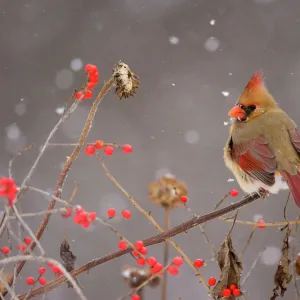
13	159
42	259
166	256
150	241
68	163
248	241
151	219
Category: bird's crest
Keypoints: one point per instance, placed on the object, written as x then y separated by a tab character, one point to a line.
257	80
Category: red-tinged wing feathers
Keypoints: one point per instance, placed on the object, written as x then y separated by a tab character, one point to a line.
293	181
256	159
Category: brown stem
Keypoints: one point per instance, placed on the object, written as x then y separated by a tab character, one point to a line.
159	238
66	168
166	256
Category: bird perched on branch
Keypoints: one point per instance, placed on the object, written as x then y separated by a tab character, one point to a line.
263	149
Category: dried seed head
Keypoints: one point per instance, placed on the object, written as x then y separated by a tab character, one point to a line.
167	191
126	81
297	265
135	277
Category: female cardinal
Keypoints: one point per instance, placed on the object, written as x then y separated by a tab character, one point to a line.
263	149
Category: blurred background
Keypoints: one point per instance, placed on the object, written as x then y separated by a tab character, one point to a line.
193	59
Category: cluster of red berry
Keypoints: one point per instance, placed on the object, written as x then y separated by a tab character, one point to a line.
8	189
126	214
21	247
93	79
233	290
108	150
83	217
42	270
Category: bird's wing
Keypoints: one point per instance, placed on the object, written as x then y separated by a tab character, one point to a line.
256	159
295	139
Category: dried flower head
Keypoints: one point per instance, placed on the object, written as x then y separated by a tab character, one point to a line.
135	277
167	191
126	81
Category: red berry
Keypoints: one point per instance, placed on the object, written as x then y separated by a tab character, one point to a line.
67	213
90	85
94	78
85	224
212	281
5	250
79	95
126	214
152	261
127	148
89	68
234	193
177	261
135	297
109	150
236	292
141	261
183	199
42	281
79	209
122	245
99	144
50	265
262	224
198	263
138	245
56	270
111	212
27	240
143	250
88	94
90	150
22	247
42	270
232	287
226	293
135	254
92	215
157	268
30	280
173	270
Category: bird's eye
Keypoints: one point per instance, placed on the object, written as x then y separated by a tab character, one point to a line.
249	109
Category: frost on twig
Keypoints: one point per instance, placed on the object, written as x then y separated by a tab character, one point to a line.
282	276
126	81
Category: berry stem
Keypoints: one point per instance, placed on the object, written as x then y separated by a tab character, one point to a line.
166	256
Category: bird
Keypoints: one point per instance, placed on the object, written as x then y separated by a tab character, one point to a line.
263	148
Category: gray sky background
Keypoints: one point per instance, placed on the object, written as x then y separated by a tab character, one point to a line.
193	59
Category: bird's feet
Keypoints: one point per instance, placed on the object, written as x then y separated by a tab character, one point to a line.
263	193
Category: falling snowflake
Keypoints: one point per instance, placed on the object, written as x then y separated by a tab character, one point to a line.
211	44
225	93
64	79
230	180
225	123
271	256
174	40
60	110
212	22
192	137
76	64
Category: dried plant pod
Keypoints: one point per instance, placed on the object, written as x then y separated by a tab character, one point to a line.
68	258
134	277
5	276
282	276
297	264
167	191
230	267
126	81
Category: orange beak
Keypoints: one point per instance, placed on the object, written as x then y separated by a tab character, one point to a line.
237	112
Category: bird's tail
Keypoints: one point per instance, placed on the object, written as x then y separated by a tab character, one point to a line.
293	181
